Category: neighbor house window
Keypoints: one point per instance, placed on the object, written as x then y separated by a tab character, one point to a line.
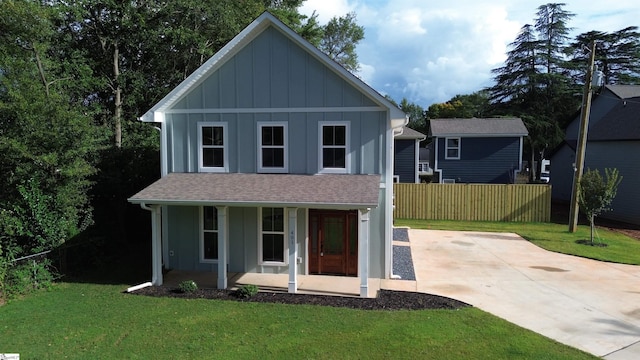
452	148
208	234
272	246
213	148
423	166
272	148
334	147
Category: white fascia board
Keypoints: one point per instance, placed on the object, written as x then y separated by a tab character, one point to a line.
478	135
337	206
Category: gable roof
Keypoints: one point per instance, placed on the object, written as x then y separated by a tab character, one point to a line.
621	123
409	133
280	190
475	127
248	34
624	91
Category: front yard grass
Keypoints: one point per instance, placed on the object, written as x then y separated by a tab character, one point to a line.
553	237
90	321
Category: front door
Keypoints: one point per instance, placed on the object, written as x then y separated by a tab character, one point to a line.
333	242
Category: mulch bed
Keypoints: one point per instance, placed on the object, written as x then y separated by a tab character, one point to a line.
386	300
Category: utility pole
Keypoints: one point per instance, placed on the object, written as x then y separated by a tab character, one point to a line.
582	142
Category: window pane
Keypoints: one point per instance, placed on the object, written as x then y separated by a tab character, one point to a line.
452	142
213	157
273	247
207	135
340	135
267	135
452	153
267	219
217	136
273	157
333	158
210	217
327	135
210	246
278	135
278	219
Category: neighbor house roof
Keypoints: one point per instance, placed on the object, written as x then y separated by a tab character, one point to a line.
335	191
248	34
621	123
625	91
476	127
409	133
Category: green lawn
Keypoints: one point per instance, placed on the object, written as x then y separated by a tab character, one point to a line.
89	321
554	237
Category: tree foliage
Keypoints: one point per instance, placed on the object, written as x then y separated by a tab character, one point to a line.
595	194
534	83
341	35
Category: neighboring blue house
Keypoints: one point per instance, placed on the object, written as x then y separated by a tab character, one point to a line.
275	160
477	150
406	164
613	142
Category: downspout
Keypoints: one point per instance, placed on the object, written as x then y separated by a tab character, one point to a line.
156	250
389	195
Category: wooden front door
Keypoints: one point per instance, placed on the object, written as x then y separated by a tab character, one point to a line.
333	242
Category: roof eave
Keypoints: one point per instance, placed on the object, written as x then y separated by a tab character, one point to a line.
314	205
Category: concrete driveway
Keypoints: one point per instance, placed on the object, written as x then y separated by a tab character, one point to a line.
587	304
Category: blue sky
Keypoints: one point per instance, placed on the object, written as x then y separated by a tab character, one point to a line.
429	51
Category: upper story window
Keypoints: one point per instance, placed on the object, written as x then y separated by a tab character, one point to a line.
272	147
452	149
213	153
334	147
208	234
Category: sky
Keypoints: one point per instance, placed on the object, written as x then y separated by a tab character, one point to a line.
429	51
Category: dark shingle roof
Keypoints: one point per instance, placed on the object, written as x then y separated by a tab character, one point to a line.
478	127
409	133
621	123
263	189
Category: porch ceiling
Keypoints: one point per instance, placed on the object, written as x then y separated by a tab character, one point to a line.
318	191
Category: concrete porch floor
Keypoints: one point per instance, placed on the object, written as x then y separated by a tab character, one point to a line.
307	284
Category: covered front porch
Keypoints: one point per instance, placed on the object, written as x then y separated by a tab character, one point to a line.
295	196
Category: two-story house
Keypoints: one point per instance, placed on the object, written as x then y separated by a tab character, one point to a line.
275	160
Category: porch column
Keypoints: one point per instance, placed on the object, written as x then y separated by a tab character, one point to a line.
223	235
363	251
156	245
293	250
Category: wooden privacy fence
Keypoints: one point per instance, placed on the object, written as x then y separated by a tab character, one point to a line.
473	202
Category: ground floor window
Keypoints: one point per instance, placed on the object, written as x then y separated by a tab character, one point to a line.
271	244
208	234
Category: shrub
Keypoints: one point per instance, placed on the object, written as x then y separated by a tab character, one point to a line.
188	286
247	291
29	276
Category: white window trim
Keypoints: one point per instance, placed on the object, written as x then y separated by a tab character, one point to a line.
201	241
273	170
225	147
447	148
285	250
347	160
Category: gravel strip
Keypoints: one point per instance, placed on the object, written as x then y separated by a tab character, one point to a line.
403	263
400	234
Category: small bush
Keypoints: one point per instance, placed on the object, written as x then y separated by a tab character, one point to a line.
188	286
247	291
27	277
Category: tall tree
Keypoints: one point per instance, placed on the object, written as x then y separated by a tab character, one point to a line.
340	38
617	55
46	138
534	83
461	106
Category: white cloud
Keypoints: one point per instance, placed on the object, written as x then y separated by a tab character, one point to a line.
430	51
